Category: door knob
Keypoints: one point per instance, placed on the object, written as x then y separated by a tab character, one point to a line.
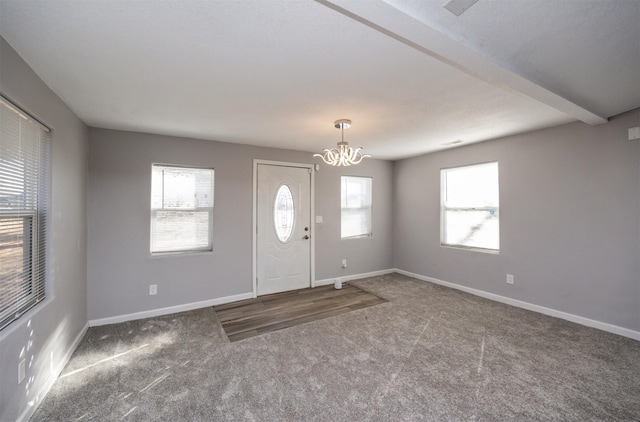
306	229
306	237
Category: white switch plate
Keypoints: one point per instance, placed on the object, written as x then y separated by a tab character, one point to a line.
509	278
318	219
634	133
153	289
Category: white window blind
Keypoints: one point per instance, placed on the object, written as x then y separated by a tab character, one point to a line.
24	178
356	206
470	207
181	209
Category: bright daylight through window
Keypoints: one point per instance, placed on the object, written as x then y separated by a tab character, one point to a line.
470	207
356	206
24	179
181	209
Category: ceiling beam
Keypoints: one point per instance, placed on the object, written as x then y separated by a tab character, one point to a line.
398	25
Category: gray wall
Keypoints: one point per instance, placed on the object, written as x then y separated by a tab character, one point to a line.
120	267
57	322
570	226
569	220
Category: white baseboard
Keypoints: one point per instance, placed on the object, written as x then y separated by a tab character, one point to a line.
491	296
53	377
344	278
530	306
213	302
169	310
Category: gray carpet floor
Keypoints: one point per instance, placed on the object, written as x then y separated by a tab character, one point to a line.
430	353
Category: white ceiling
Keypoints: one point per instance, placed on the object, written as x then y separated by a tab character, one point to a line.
411	75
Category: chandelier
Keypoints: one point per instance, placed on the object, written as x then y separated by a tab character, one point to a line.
343	154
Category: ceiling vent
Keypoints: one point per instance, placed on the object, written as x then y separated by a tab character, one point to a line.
458	7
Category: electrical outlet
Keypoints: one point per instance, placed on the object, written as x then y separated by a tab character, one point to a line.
153	289
21	371
509	278
344	263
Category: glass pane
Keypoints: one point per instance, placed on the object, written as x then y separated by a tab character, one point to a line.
15	256
283	214
181	188
356	206
356	222
174	231
472	228
472	186
356	192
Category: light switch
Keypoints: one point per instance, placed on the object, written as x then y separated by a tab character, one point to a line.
318	219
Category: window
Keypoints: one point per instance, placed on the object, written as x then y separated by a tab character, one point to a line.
24	179
470	207
181	209
284	214
356	206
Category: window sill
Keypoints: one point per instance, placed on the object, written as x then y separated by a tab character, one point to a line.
156	255
364	236
472	249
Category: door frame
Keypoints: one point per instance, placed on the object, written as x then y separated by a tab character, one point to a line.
312	226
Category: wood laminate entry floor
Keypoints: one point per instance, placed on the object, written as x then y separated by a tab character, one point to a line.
274	312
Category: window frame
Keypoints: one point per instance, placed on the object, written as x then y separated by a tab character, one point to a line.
369	208
209	210
444	209
34	175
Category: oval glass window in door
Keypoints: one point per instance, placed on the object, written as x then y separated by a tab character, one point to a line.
284	213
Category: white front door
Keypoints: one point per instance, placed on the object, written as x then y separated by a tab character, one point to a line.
283	254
